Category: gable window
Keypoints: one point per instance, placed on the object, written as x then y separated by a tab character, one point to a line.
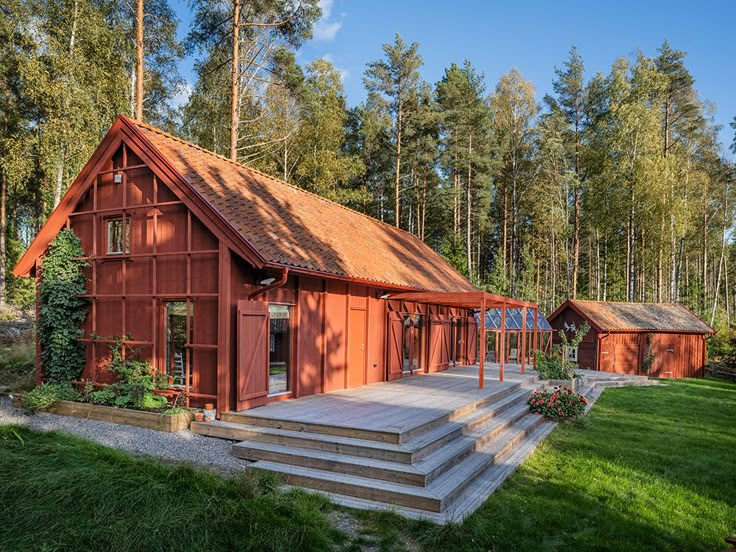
118	236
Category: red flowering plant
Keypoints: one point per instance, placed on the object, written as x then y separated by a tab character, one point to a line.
559	403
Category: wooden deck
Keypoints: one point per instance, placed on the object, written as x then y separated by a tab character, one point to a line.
431	446
394	410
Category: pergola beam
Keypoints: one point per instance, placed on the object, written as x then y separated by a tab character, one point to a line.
483	301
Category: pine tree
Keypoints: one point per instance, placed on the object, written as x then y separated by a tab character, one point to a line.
569	87
396	78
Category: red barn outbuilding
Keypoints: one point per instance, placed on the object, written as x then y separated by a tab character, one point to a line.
665	340
245	289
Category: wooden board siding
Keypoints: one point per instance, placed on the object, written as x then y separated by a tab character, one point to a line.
676	355
184	246
171	256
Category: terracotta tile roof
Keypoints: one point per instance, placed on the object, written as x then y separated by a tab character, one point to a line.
614	316
291	227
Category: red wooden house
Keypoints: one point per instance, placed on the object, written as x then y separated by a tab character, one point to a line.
246	289
664	340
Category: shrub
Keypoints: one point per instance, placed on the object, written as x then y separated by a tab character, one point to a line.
557	365
558	403
136	385
48	394
62	310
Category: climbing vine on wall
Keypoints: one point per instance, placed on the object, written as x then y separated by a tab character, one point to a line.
62	310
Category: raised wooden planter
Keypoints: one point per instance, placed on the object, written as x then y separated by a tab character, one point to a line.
567	384
138	418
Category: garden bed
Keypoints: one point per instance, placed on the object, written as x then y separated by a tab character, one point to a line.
126	416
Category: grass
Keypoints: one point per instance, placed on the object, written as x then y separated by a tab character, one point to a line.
649	468
60	492
17	363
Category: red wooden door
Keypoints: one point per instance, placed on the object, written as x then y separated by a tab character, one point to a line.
446	343
356	347
252	332
472	341
394	347
435	343
605	362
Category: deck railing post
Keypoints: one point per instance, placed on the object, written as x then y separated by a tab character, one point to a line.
522	347
502	335
536	335
482	342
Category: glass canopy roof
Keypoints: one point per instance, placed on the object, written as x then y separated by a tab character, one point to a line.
514	320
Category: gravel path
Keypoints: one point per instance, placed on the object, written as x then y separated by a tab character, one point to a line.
183	446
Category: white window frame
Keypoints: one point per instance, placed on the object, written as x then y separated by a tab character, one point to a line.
125	239
572	354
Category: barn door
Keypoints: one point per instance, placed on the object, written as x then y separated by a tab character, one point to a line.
446	343
395	346
252	344
435	343
472	341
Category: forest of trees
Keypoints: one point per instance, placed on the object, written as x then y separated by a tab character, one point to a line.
614	187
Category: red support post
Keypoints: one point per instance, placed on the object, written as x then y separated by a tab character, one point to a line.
536	335
521	349
502	335
482	342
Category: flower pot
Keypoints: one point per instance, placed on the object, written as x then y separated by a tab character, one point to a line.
209	412
198	416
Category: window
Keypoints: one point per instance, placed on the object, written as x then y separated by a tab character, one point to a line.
413	342
178	354
279	355
572	354
116	245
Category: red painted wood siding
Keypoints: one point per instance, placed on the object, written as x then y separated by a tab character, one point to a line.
676	355
171	256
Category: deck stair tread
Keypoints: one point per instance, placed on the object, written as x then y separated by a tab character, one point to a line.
474	494
429	440
432	497
419	473
451	482
303	439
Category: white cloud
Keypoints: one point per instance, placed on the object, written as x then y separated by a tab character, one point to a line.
326	27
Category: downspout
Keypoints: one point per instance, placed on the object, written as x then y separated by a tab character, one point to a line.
273	285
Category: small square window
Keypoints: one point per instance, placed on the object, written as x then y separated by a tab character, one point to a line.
572	354
116	244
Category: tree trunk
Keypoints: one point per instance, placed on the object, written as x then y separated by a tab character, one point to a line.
139	61
59	188
235	84
575	242
397	181
504	231
469	206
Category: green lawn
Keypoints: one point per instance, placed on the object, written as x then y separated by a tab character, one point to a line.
649	469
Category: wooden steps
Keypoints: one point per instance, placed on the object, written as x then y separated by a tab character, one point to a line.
441	467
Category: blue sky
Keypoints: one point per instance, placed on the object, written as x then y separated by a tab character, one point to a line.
533	36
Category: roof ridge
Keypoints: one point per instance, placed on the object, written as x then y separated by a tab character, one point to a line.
254	170
628	302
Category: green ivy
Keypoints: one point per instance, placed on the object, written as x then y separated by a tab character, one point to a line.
62	310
